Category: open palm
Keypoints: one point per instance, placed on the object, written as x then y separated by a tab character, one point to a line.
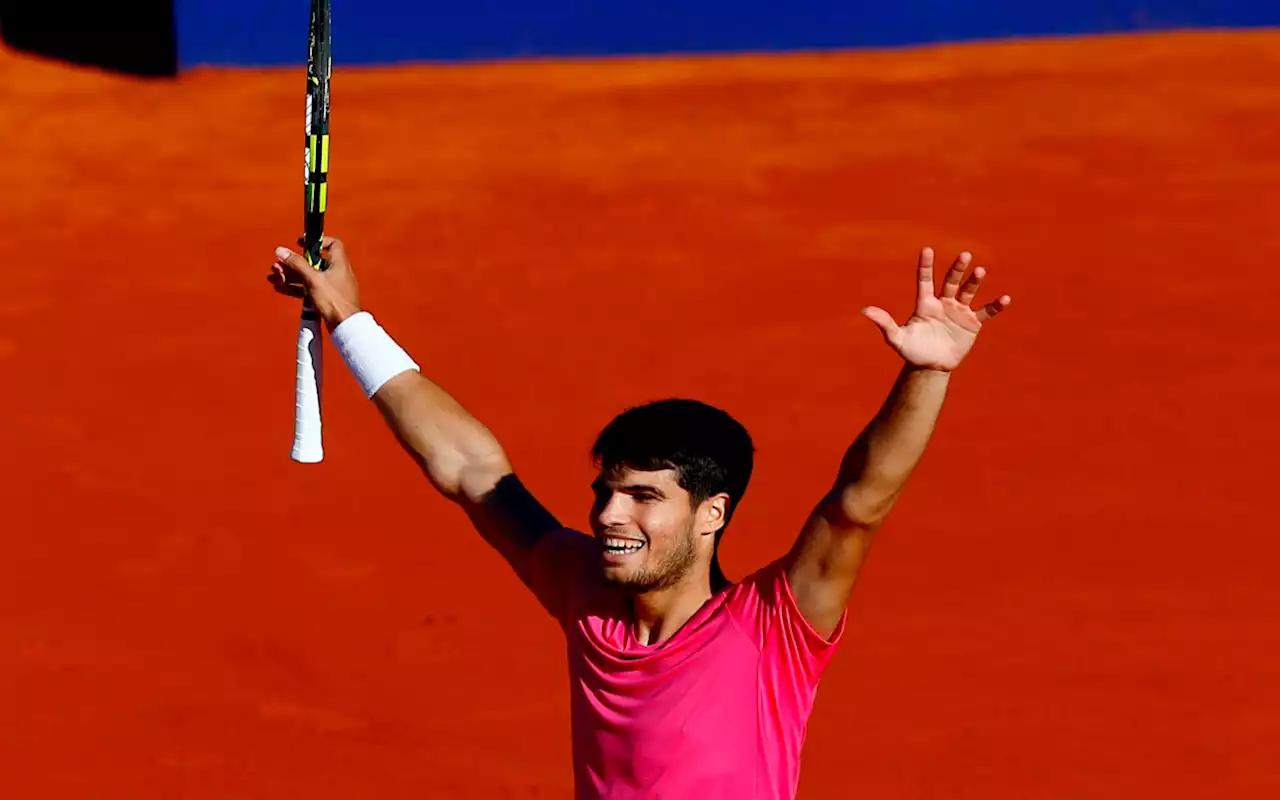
944	326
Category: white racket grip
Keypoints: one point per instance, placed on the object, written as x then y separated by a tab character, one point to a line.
308	445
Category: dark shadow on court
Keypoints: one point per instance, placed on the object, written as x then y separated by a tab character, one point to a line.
134	37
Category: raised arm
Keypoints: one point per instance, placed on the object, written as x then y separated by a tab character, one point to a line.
458	454
824	563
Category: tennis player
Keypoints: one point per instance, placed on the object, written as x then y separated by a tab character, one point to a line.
684	684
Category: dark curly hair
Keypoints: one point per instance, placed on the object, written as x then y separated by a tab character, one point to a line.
710	451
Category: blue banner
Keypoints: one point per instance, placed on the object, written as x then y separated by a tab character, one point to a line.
261	32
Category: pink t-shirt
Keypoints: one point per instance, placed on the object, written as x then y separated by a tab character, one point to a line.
719	710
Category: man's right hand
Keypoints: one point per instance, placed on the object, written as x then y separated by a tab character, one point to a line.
334	291
459	455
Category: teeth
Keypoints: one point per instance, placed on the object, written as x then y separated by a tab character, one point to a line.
615	545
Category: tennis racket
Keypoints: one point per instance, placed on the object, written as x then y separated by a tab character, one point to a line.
308	445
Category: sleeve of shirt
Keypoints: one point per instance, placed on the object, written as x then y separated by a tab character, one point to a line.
765	607
558	569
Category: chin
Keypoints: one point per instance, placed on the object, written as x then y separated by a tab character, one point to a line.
628	578
621	577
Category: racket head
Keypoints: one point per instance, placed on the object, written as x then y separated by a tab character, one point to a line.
319	74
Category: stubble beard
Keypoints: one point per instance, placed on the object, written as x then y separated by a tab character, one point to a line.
672	569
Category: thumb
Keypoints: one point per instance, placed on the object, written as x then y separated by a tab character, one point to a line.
296	266
883	320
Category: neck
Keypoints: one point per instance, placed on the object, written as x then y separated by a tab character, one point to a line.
661	612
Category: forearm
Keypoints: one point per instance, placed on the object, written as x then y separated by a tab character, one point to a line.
455	451
460	456
877	465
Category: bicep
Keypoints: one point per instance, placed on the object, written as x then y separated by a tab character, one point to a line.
823	565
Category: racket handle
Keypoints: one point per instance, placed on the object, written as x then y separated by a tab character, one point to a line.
308	445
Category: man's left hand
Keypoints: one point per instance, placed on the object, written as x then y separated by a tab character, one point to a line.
944	327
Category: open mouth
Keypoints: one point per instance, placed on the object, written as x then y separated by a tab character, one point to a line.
620	547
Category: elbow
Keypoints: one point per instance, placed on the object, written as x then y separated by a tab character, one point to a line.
862	507
464	478
476	477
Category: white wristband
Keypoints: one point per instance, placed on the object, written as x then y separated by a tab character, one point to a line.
370	352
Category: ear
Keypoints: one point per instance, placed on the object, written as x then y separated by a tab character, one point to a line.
713	513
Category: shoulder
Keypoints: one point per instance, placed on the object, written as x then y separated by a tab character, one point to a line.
562	569
765	605
567	546
761	586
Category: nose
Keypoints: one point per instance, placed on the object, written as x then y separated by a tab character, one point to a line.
611	510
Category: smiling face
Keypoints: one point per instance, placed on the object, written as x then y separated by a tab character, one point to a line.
650	532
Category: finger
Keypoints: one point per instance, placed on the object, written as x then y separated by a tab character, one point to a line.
329	245
970	288
278	277
289	289
924	275
285	272
955	275
291	260
884	321
337	250
325	241
994	307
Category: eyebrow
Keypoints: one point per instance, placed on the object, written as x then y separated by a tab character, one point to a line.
642	488
631	488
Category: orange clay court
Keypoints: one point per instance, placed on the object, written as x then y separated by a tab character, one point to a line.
1076	597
